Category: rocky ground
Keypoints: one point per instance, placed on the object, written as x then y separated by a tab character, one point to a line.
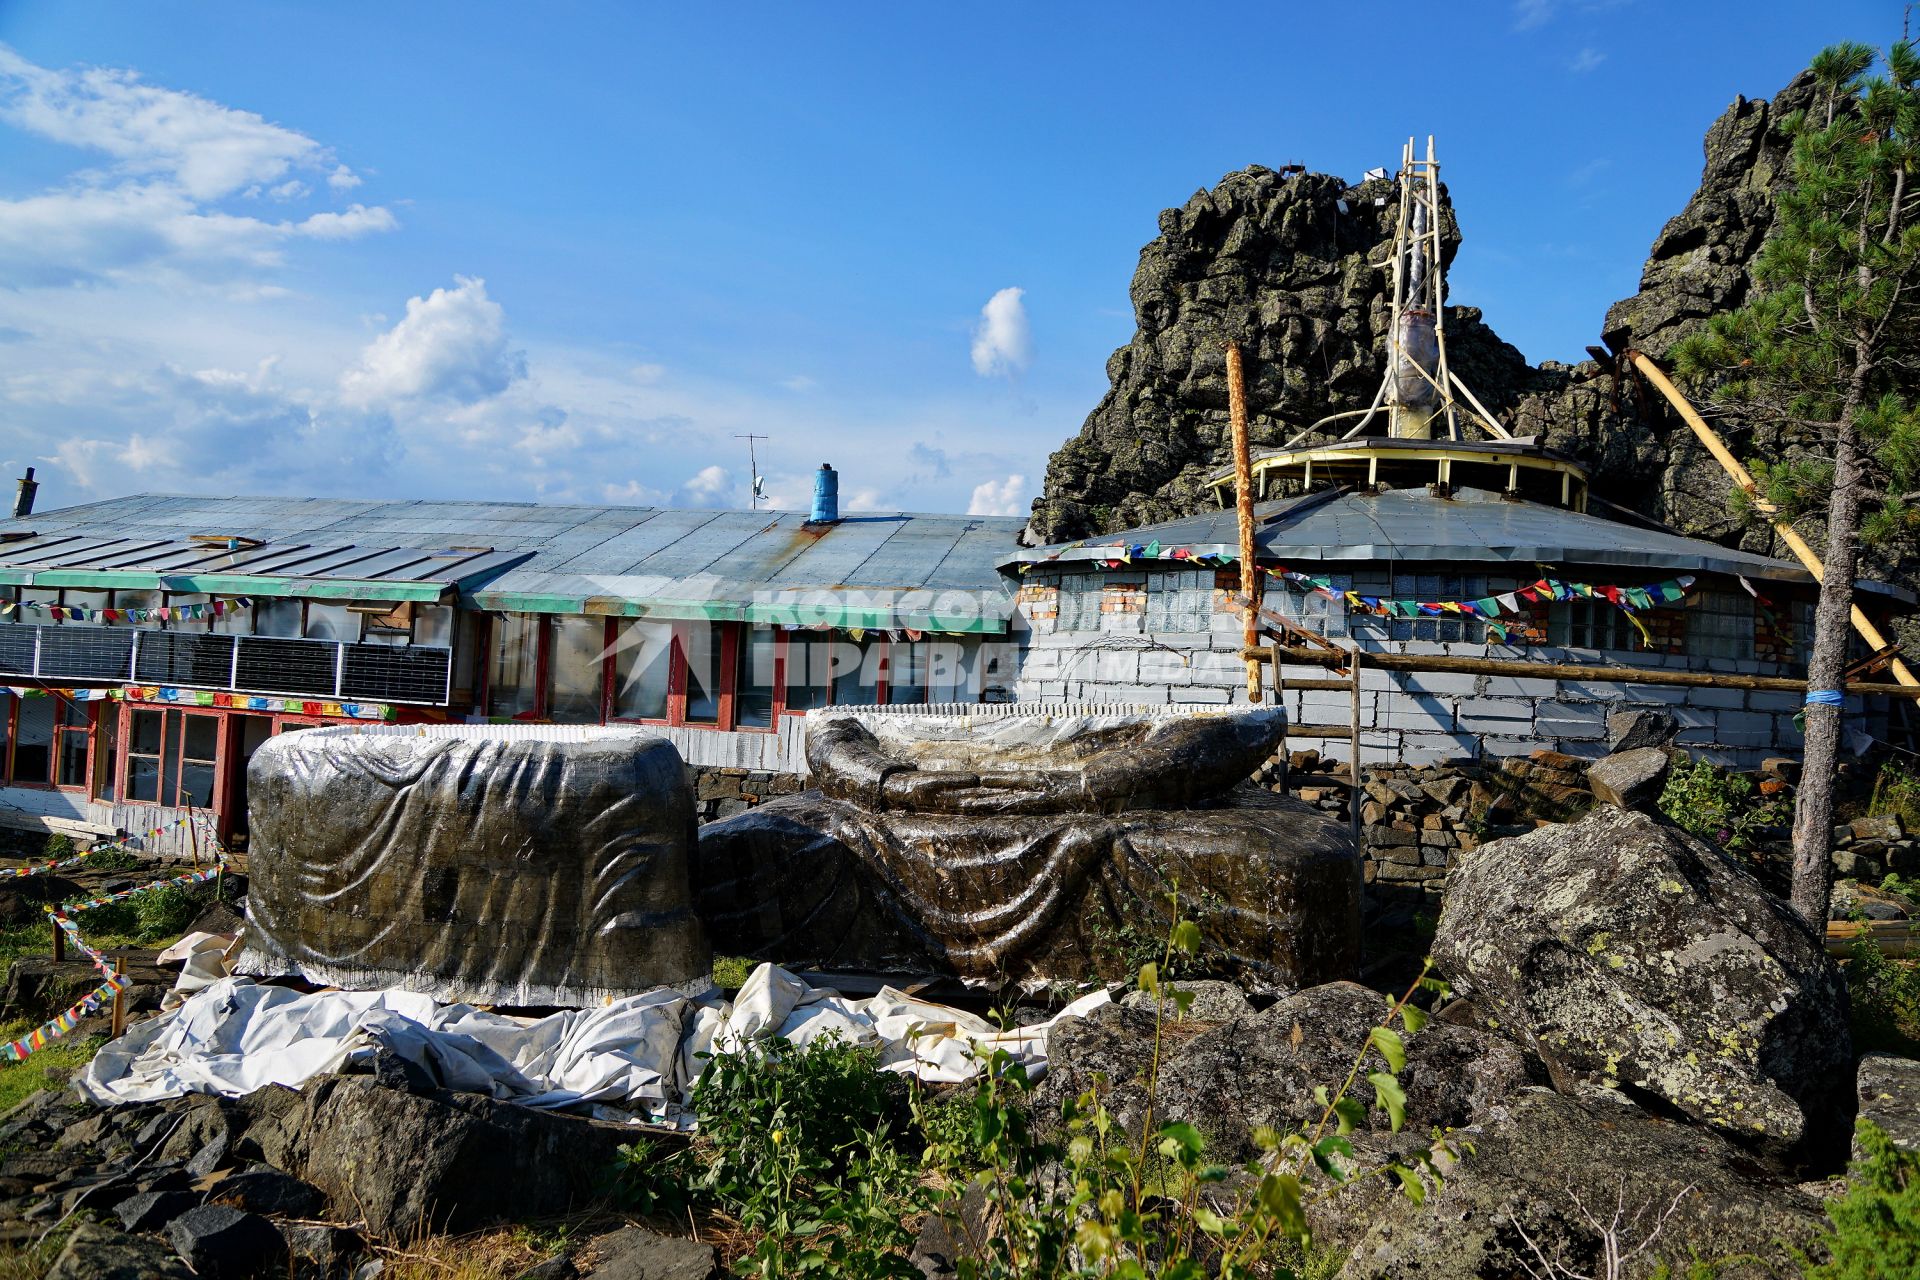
1637	1028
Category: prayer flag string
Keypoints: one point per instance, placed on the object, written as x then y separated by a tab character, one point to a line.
165	613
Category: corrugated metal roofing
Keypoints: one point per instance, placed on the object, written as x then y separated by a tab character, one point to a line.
870	569
1403	525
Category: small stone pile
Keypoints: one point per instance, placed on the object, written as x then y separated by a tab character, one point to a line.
1870	848
1413	818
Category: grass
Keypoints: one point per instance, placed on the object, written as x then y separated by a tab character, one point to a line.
47	1069
731	971
31	1262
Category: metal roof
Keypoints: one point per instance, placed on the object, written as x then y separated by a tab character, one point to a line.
886	569
1405	525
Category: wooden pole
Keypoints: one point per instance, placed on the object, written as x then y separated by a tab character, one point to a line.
1353	752
1243	484
1744	479
1301	654
59	941
119	999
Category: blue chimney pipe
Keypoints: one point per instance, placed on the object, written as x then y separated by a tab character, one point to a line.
826	496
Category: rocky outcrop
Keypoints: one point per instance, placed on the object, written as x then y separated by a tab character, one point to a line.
1294	269
1632	955
1453	1073
1555	1171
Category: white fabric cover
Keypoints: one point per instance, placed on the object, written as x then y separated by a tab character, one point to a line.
640	1054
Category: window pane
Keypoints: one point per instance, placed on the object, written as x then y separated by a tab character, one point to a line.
433	625
702	652
73	758
146	732
143	778
138	600
169	757
33	746
753	679
84	600
574	692
277	618
858	667
516	655
808	669
180	600
907	667
105	759
642	662
235	622
333	622
196	786
203	736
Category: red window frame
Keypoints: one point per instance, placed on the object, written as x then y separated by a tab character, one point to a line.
127	753
60	729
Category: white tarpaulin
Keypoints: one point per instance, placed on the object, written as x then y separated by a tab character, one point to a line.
642	1053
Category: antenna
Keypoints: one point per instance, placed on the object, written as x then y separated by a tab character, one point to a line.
758	488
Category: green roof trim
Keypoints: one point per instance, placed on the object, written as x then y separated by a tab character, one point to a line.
225	584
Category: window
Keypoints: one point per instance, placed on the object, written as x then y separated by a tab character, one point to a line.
333	622
754	678
703	646
172	758
907	673
84	600
433	626
73	731
576	679
1720	625
123	600
1180	601
1452	628
642	670
1080	598
512	677
809	670
277	618
239	622
859	669
33	734
1589	624
1307	608
180	600
106	757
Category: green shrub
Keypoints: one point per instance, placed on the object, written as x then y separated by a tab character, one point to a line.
59	845
1721	806
1876	1225
1885	996
115	859
1896	790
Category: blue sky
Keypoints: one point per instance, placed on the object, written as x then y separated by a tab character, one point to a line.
566	252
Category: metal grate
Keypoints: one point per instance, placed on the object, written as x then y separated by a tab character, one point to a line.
184	657
288	666
386	674
79	652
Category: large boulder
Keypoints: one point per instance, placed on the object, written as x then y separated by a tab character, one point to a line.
1036	842
1262	1069
448	1161
1630	954
1556	1170
516	865
97	1252
1889	1092
1630	779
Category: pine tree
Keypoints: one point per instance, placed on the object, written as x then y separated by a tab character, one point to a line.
1823	355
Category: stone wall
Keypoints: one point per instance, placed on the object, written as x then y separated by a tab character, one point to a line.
721	791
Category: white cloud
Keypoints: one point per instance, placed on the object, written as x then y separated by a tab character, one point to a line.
451	344
799	382
1586	60
709	485
1002	342
343	178
358	220
156	210
1000	497
647	374
209	150
1528	14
